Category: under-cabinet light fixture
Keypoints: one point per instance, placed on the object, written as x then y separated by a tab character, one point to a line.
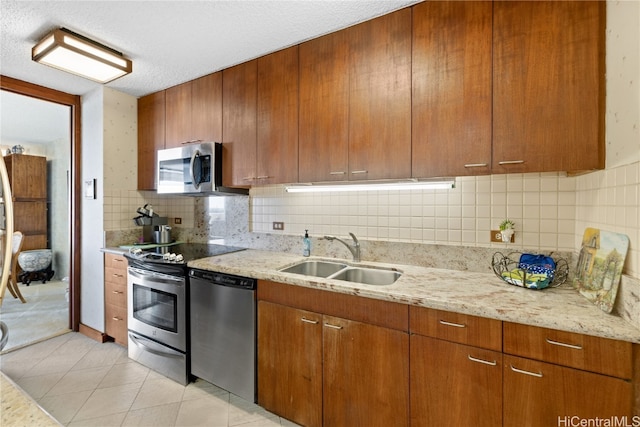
76	54
373	186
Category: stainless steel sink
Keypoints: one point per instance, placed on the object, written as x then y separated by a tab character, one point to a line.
315	268
369	276
348	273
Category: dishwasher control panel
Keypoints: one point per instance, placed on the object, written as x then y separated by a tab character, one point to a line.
223	279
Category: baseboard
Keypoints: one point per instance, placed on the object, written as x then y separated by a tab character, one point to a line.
95	335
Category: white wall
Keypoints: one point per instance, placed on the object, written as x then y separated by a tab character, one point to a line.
91	258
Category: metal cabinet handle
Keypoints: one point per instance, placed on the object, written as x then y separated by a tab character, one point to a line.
336	173
328	325
117	292
359	172
457	325
264	177
117	319
305	320
533	374
476	165
248	178
511	162
563	344
117	259
191	142
486	362
118	275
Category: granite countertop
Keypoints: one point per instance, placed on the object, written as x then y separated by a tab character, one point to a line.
18	409
479	294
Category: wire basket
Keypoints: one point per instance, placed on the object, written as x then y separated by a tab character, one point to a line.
511	269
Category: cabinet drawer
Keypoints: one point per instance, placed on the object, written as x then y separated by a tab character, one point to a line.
115	276
115	261
116	294
601	355
461	328
116	323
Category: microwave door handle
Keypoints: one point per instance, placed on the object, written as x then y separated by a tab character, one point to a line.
191	171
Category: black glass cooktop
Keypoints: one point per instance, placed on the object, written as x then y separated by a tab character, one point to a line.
166	259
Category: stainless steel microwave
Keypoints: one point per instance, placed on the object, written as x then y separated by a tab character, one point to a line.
192	169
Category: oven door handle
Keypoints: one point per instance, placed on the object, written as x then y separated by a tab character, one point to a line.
152	275
138	341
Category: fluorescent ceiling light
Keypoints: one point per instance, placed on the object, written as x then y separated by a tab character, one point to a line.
76	54
372	186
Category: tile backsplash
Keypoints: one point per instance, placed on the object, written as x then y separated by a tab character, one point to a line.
551	211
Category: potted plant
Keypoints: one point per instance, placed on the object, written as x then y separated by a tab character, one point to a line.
507	230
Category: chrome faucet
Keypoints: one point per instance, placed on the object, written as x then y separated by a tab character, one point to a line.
353	248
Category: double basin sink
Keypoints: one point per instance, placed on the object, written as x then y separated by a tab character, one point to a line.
341	271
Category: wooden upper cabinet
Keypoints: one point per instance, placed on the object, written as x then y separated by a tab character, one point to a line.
151	134
239	102
380	97
324	109
206	108
451	102
548	109
178	115
194	111
277	121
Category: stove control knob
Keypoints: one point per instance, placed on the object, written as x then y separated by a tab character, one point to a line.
179	258
172	257
166	256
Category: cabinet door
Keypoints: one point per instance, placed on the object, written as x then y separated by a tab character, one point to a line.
290	363
178	115
542	394
206	108
451	102
27	176
454	384
151	134
366	374
548	99
239	93
380	97
324	109
277	145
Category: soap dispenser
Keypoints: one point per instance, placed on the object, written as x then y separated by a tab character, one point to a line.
306	244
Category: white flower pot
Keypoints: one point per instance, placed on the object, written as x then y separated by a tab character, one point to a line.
507	234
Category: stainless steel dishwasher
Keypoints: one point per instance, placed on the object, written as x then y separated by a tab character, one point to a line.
223	331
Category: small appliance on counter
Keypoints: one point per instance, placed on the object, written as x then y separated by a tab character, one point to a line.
151	224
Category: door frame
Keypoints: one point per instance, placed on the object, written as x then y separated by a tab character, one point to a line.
74	102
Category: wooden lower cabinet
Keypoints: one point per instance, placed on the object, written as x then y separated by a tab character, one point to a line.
115	297
542	394
290	363
454	384
317	369
366	371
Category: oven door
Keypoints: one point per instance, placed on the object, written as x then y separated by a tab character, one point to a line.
157	307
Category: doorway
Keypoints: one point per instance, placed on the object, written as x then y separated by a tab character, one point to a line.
73	182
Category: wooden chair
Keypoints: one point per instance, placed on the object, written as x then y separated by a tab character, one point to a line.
12	284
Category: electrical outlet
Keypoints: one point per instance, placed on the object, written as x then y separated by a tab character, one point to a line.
497	237
177	220
277	225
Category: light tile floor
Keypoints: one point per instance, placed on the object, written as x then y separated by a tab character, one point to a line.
81	382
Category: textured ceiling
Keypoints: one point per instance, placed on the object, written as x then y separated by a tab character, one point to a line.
171	42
